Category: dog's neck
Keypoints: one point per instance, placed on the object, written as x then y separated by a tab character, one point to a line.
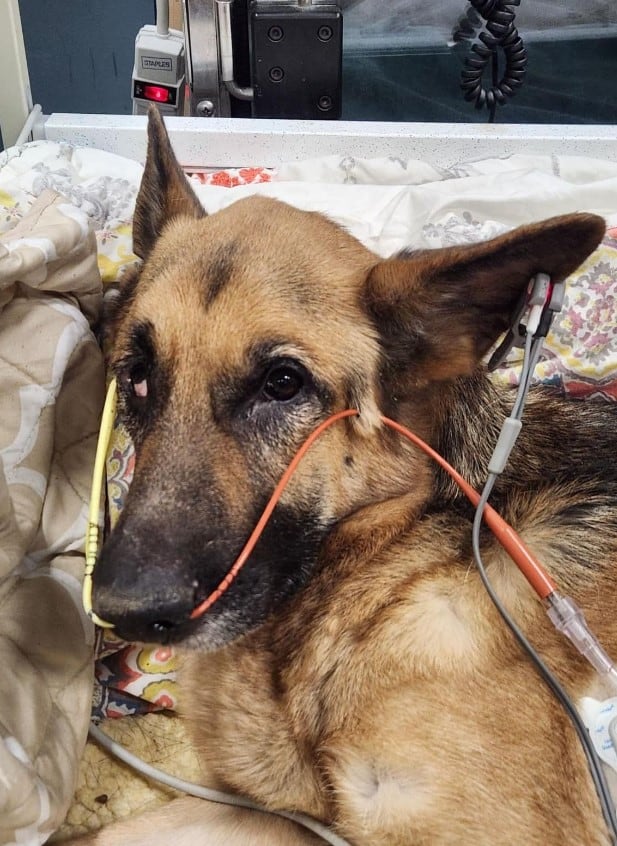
470	412
461	420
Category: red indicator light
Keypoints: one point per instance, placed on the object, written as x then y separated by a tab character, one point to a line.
156	93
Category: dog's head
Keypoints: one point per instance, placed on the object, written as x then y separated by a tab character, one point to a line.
238	335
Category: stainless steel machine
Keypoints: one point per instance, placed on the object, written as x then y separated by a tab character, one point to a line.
265	59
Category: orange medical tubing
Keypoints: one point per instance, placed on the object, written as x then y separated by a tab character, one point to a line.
533	571
249	546
527	563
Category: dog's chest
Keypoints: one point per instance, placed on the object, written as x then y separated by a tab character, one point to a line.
344	715
391	725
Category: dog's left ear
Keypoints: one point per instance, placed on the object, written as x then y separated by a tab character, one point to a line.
439	312
164	192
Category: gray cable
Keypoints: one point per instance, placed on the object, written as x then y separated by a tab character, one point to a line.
533	348
206	793
532	351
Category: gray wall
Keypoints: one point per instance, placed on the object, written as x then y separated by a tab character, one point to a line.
80	52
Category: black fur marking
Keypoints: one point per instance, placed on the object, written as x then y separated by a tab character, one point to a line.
281	564
564	446
219	271
232	389
142	341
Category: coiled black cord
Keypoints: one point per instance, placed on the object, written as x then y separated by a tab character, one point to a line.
489	26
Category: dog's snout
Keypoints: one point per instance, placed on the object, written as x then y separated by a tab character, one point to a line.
145	587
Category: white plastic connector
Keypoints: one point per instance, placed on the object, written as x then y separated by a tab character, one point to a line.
537	301
533	321
505	443
568	618
540	289
558	296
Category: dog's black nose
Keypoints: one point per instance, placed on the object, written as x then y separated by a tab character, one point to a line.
145	585
147	605
146	619
163	631
149	621
162	627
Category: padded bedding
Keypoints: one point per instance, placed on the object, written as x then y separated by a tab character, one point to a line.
65	210
51	384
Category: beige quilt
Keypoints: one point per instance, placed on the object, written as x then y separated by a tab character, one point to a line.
51	391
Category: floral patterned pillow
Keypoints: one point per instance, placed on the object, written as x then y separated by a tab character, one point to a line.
580	352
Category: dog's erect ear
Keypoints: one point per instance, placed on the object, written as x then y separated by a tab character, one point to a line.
164	192
438	312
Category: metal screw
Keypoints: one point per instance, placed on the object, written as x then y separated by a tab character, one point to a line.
276	74
325	103
275	33
205	108
324	33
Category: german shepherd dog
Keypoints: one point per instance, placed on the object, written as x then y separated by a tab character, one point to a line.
355	670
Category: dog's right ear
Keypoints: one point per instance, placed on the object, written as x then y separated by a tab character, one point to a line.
164	192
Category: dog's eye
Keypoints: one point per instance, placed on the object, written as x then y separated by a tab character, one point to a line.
138	381
282	384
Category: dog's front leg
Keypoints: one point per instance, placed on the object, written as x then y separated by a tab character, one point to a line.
196	822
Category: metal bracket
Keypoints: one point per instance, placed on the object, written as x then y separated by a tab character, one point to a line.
201	42
226	52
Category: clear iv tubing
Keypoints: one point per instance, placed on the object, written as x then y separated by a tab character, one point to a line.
562	611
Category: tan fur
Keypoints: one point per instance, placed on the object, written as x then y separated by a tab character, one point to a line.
385	697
